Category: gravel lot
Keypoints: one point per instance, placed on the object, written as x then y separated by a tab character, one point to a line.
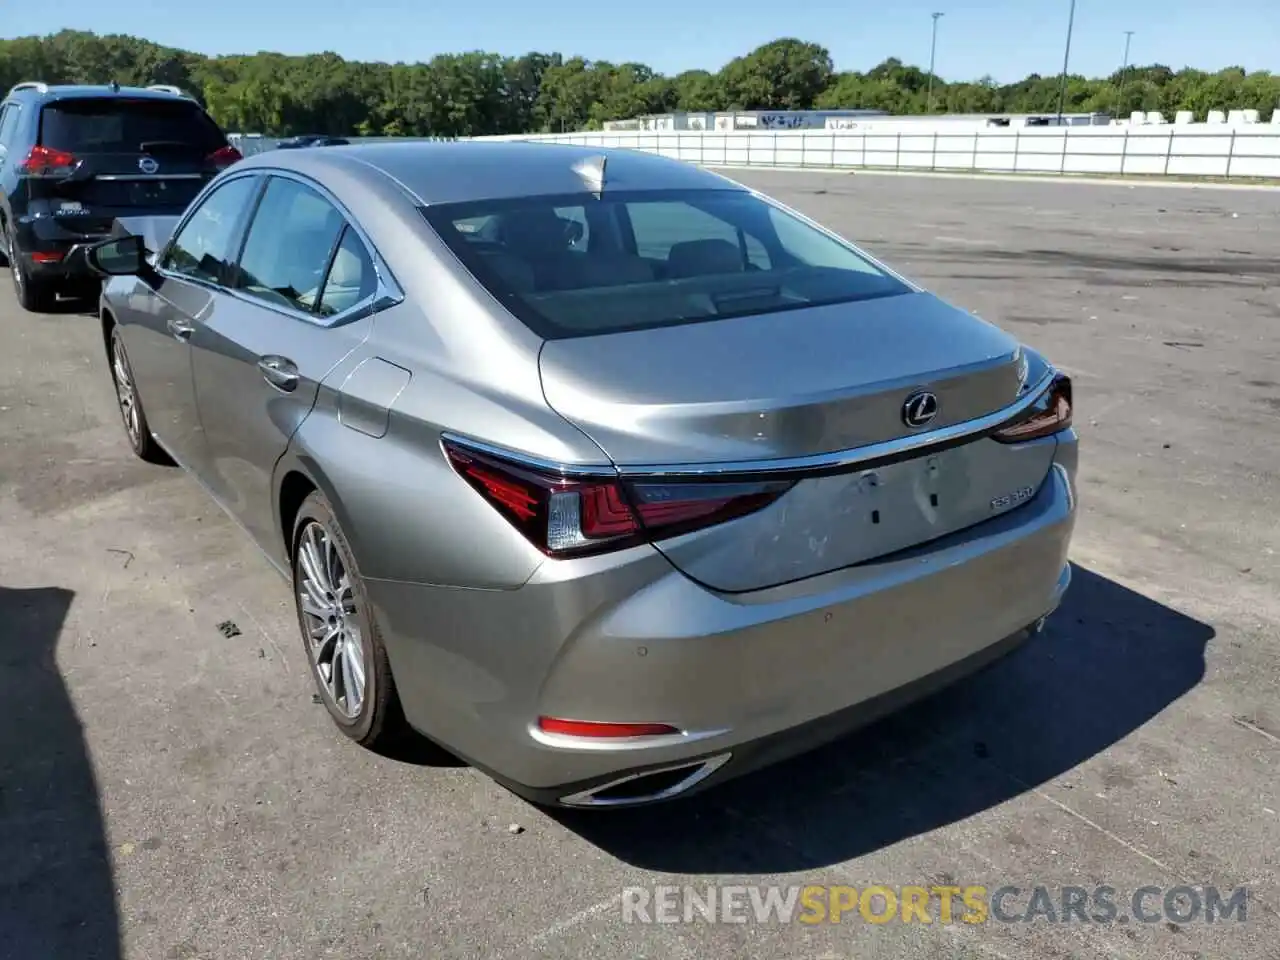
168	791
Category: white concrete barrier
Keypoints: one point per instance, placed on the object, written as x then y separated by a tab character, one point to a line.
1202	150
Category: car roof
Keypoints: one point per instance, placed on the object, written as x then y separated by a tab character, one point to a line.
70	91
436	172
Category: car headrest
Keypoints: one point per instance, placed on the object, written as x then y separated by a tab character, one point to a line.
535	230
695	258
348	269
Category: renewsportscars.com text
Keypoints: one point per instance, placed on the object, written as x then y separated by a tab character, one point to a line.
816	904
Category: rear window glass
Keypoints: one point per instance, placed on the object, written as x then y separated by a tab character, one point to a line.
121	125
580	265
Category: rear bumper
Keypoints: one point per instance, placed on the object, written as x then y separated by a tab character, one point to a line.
709	770
756	677
50	249
51	252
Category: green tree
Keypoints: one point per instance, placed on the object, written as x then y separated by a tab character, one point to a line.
477	92
786	74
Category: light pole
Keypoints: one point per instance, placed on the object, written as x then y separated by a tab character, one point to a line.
1066	58
1124	70
933	50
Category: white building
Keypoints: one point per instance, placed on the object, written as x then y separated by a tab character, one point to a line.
741	120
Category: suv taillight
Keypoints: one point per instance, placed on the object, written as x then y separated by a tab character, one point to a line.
48	162
1050	413
573	515
224	157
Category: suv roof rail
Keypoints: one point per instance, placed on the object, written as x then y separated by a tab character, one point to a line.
35	85
168	88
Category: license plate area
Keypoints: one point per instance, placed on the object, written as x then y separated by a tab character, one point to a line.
917	500
825	523
138	193
905	503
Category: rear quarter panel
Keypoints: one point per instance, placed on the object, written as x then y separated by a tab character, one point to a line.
377	455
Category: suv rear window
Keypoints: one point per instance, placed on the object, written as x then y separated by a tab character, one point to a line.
121	125
580	265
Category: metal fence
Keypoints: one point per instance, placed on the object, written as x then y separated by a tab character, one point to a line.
1201	150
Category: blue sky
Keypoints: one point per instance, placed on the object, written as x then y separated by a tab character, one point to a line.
1005	38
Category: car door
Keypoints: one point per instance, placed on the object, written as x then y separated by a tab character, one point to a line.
300	296
184	292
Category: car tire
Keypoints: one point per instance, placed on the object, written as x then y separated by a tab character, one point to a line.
35	296
339	630
136	428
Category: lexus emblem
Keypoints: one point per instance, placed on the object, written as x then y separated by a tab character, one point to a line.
148	165
919	409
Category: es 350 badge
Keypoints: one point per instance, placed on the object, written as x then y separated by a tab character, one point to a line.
1021	495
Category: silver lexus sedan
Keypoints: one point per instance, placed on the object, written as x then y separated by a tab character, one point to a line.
608	474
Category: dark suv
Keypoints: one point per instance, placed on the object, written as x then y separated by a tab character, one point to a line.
75	158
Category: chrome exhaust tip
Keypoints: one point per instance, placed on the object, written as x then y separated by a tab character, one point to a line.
649	786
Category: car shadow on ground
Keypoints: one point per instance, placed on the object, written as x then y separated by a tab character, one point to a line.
57	896
406	745
1109	661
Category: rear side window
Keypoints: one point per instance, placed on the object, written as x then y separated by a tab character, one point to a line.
351	278
576	265
291	242
122	125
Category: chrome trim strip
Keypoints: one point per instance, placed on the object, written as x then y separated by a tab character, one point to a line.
701	770
835	461
613	744
898	448
149	176
541	464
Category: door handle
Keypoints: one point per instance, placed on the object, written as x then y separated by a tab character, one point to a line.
180	328
280	372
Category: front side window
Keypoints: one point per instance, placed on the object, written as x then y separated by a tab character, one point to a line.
205	246
572	266
291	241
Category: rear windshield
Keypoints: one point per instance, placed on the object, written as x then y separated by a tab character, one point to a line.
121	125
578	265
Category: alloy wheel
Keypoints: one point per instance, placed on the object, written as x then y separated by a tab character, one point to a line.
332	623
125	393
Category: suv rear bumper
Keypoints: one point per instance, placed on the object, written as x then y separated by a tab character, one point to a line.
50	252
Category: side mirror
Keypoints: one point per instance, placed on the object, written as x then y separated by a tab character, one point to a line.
120	257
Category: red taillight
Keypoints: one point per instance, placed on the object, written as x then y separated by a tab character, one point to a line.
224	157
599	730
573	515
1050	413
48	162
47	256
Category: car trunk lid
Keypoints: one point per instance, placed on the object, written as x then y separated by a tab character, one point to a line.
787	388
